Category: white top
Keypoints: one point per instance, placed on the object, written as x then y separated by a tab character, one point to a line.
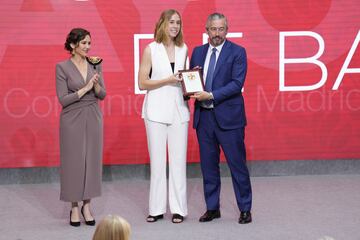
160	103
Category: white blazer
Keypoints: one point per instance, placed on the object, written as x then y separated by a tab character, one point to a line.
159	104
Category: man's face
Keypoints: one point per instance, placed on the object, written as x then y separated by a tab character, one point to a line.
217	32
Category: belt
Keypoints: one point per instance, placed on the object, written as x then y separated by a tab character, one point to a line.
206	109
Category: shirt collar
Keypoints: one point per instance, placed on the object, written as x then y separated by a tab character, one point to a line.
218	48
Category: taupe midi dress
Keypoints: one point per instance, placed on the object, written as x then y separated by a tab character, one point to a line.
81	134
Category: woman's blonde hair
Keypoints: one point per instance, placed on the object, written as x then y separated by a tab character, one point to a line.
112	227
160	28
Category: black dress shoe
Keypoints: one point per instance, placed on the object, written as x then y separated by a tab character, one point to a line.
245	217
209	215
91	222
74	224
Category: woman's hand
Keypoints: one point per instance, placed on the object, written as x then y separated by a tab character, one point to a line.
175	78
92	82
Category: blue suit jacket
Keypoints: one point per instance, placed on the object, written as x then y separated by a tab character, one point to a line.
228	80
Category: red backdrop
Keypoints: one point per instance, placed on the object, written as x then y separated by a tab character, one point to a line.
302	91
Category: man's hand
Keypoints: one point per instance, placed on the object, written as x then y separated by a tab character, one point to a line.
202	96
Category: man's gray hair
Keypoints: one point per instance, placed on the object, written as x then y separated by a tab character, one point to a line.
215	16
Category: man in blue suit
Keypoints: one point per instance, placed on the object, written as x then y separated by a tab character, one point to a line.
219	117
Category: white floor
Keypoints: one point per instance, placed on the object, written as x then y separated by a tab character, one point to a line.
325	207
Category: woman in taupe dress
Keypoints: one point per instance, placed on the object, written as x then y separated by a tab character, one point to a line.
79	87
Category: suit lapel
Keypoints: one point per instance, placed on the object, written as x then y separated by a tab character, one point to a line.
204	51
203	54
225	51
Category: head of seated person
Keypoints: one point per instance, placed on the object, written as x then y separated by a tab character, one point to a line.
112	227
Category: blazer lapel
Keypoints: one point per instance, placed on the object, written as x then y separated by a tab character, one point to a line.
202	60
225	51
179	64
165	56
203	54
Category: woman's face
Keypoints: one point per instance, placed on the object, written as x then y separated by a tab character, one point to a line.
174	25
83	47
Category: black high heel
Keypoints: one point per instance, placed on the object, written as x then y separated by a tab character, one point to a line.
152	219
91	222
74	224
177	218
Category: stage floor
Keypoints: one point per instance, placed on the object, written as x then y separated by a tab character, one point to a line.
322	207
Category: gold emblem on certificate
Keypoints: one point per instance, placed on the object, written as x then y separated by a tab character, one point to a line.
191	76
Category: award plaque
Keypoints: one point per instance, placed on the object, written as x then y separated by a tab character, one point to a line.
192	81
94	61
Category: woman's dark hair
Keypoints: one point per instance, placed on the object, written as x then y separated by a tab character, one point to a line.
74	37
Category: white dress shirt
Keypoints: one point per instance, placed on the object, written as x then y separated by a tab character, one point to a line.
208	55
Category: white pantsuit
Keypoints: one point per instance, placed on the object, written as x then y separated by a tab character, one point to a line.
166	117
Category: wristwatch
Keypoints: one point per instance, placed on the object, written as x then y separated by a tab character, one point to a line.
211	96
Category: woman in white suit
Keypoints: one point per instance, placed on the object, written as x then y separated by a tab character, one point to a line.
166	116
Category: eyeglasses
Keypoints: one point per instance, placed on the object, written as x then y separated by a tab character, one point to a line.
215	29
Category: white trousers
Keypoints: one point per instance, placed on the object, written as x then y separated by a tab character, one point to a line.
172	137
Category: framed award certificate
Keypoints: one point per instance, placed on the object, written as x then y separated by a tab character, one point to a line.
192	81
